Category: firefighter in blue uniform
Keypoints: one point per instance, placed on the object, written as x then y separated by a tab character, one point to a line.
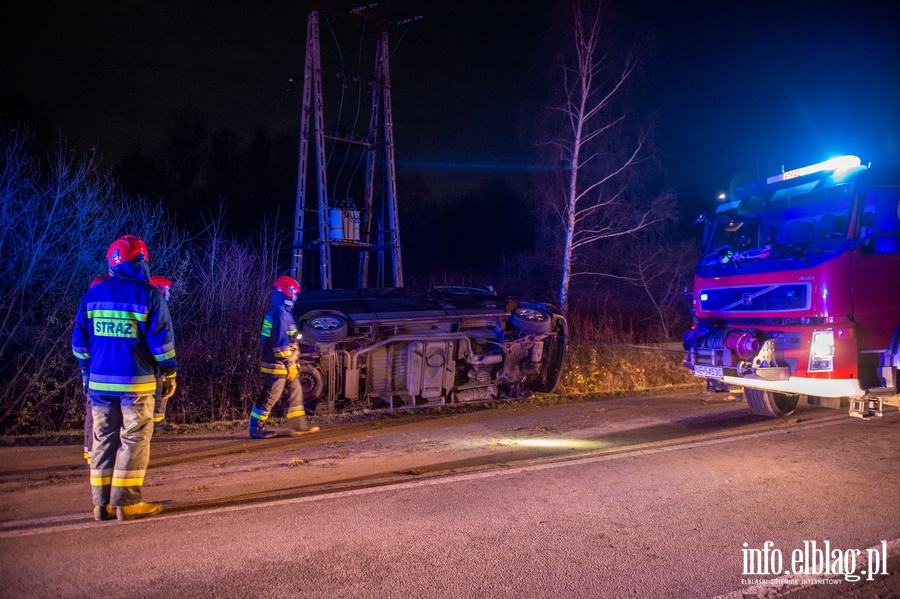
278	363
122	335
163	284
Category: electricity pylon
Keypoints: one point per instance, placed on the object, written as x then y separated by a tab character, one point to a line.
367	237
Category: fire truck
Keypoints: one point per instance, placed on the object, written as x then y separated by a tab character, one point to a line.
797	294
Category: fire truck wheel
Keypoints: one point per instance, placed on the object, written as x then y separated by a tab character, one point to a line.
770	403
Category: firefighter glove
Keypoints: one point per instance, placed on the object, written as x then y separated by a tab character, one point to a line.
168	387
292	372
85	380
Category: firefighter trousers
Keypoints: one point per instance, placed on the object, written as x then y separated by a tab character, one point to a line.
88	430
123	426
273	388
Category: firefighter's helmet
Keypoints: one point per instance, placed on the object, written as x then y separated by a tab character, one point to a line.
125	249
288	286
162	283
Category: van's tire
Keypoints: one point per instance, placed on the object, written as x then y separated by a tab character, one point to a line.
552	367
770	403
531	320
312	381
325	328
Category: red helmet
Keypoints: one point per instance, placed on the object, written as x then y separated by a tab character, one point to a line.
125	249
98	280
162	283
288	286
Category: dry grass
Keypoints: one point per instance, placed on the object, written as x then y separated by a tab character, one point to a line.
594	368
604	357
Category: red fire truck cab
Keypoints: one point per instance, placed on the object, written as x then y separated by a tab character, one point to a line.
797	293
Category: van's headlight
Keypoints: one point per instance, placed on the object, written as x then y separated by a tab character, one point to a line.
821	353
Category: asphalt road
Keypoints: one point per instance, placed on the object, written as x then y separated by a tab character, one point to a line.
647	496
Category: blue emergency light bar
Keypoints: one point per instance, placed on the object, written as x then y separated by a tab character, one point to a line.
834	164
829	168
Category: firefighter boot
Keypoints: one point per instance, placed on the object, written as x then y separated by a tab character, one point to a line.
104	512
258	429
137	510
298	426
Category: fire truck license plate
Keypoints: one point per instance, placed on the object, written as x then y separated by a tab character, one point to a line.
714	372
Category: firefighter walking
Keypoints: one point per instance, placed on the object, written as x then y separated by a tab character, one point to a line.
278	363
122	335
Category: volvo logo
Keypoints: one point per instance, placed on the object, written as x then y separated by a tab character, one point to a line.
746	299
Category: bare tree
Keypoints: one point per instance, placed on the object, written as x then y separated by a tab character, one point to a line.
662	270
601	146
58	213
219	322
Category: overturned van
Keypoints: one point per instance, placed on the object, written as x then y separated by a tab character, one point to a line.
412	347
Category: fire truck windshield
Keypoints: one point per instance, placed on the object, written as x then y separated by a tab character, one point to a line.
785	224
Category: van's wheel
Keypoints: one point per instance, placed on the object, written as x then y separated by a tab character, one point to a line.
770	403
530	320
312	382
552	367
325	328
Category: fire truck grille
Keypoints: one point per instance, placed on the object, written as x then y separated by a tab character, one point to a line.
757	298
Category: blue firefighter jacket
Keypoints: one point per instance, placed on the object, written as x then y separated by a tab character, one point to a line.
123	333
278	332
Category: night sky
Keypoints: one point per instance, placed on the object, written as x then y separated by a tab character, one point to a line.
734	87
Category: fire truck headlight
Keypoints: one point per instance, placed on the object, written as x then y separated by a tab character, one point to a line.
821	353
